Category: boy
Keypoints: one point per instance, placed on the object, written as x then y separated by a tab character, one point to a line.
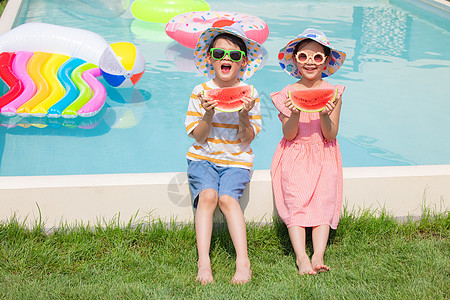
220	159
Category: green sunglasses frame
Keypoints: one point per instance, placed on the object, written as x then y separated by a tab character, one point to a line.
227	52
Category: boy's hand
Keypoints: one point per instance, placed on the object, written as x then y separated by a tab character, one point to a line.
207	103
249	103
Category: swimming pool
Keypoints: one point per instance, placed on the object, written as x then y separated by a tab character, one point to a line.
395	106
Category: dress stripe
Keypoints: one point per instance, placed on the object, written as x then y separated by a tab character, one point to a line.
306	172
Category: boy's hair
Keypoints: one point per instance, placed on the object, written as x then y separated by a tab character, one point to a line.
230	38
326	50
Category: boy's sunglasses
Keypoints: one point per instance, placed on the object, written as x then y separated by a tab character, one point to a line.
234	55
317	58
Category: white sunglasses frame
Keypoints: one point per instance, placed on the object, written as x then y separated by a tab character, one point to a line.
311	57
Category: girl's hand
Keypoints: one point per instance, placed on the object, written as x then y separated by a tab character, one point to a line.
249	103
207	103
291	106
329	107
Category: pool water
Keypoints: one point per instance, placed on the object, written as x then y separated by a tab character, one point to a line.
395	107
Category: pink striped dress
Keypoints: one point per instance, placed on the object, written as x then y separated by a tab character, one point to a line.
306	172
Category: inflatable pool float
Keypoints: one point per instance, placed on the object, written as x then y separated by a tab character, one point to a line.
53	85
52	70
187	27
161	11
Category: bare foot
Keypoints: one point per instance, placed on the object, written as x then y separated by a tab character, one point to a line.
243	273
204	274
304	266
318	265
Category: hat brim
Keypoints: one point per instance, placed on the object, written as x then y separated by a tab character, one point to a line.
286	60
254	53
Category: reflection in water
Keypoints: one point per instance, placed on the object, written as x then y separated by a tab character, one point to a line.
133	104
97	8
152	32
381	31
182	57
52	123
123	110
369	144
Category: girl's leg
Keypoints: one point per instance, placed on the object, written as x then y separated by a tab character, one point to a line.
298	239
320	239
236	226
207	203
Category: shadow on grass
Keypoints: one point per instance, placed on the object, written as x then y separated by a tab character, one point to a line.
285	242
221	238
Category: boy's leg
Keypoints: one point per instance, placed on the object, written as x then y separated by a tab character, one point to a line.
203	181
320	239
207	204
236	226
298	239
232	184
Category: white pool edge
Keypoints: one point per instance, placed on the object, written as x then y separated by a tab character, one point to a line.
401	191
9	14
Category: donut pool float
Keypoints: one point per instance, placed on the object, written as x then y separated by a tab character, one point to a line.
187	27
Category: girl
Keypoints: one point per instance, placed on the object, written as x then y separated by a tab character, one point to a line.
306	168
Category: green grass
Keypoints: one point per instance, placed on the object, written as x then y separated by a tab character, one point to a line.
371	258
2	5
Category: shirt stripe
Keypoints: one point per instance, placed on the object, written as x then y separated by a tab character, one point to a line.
221	125
220	161
192	125
223	145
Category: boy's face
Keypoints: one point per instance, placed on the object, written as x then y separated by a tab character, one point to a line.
225	69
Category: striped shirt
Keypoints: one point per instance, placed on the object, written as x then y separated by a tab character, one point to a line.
223	146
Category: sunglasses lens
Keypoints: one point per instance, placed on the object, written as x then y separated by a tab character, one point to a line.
302	57
235	55
318	58
218	54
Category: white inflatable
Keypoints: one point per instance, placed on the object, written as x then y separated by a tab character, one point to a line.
122	64
42	37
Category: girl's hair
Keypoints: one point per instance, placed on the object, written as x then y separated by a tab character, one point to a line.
230	38
326	50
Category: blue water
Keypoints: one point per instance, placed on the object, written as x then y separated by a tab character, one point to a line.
395	108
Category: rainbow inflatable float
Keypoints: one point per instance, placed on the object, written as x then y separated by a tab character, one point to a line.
187	27
52	70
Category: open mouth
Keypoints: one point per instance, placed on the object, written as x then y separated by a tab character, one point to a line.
225	68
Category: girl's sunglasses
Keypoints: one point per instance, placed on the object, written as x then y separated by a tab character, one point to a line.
317	58
234	55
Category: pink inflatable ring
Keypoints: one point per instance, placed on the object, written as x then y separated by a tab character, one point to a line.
187	27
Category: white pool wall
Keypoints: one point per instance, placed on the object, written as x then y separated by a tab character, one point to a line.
71	199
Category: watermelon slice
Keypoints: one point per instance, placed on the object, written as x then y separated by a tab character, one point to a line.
313	100
229	99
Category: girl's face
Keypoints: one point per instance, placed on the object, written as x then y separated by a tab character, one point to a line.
226	70
310	63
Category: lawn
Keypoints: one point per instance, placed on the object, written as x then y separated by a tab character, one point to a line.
2	5
371	257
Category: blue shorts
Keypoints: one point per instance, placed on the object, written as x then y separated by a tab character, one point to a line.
204	175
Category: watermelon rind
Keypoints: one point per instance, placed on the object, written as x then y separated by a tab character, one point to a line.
299	107
237	108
